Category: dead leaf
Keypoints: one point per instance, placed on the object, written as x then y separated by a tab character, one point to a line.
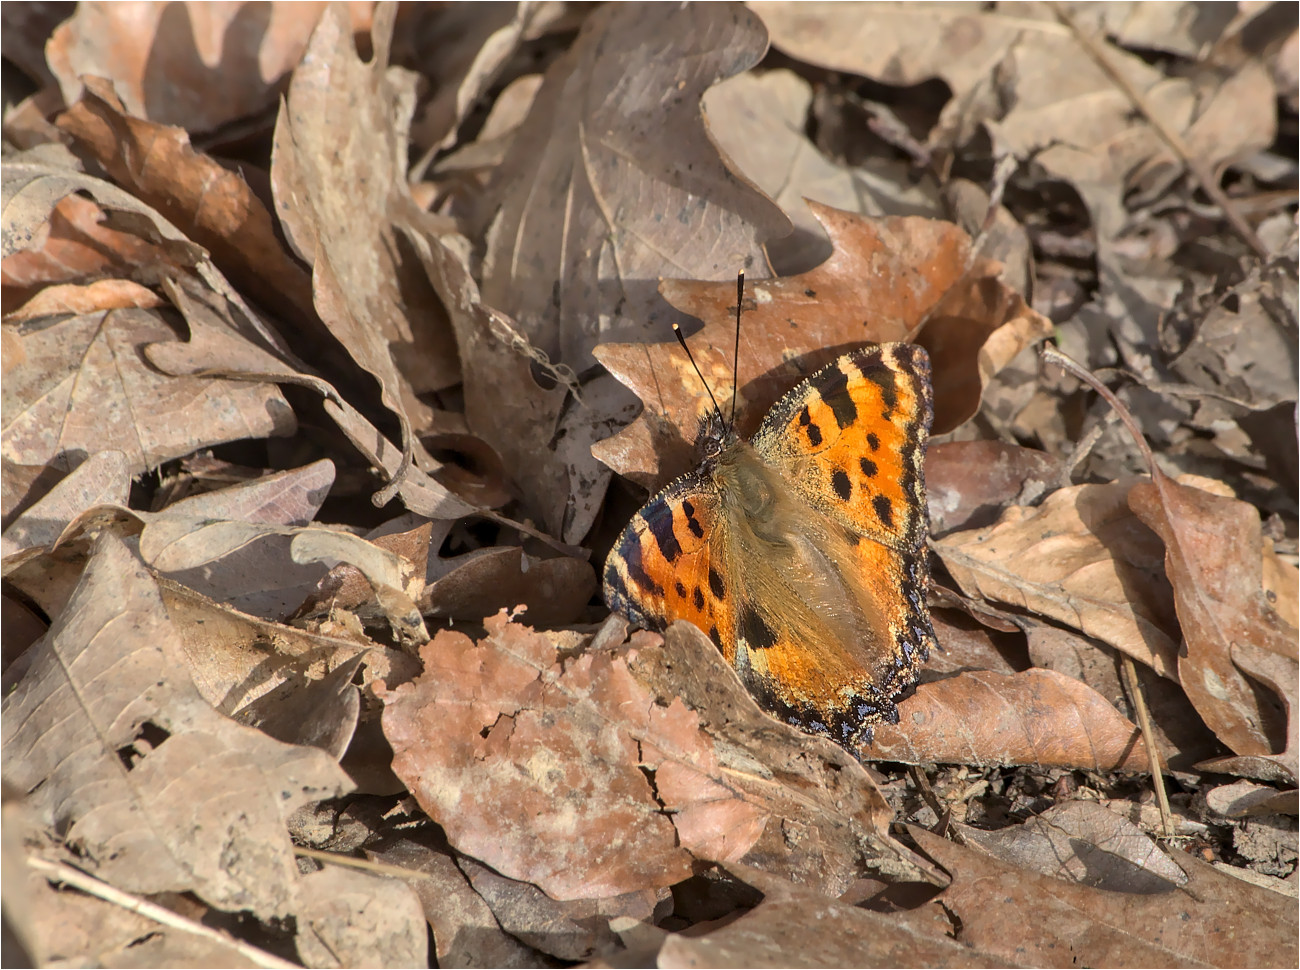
1080	558
593	206
164	59
1214	920
339	171
827	822
465	932
775	934
758	120
212	205
1084	843
1037	717
1212	562
884	280
85	387
565	774
968	483
353	919
104	478
158	790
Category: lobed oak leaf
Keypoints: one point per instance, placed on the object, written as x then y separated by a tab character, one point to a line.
113	744
886	280
548	768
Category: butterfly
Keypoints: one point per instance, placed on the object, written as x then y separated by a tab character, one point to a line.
801	552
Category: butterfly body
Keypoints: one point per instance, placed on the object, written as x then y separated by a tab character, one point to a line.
801	553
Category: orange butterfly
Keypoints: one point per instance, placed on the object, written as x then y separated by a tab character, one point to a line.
801	553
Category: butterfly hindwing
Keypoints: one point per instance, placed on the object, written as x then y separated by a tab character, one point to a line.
666	565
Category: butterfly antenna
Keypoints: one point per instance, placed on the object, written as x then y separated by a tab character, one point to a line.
735	358
677	332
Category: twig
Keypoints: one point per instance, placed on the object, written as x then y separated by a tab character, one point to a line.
1148	736
352	862
1203	175
1050	353
58	872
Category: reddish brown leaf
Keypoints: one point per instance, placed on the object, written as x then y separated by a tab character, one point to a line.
1080	558
1215	920
559	772
969	483
1037	717
884	280
209	203
1212	557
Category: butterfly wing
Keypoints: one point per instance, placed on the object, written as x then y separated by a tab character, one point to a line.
842	621
668	563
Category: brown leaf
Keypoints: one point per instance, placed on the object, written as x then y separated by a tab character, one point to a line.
969	483
118	749
1037	717
339	171
594	205
1080	558
827	821
1084	843
85	387
465	932
759	121
885	278
573	929
1181	736
797	926
356	919
166	60
104	478
559	772
211	204
1212	558
1215	920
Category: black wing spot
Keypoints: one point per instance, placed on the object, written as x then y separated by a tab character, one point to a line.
636	570
873	442
692	522
884	510
841	484
887	381
698	599
713	635
814	433
758	635
718	588
681	590
835	392
868	467
661	526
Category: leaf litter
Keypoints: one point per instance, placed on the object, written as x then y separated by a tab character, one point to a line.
336	354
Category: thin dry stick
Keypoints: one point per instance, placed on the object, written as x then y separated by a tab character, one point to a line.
58	872
1134	687
378	868
1050	354
1198	169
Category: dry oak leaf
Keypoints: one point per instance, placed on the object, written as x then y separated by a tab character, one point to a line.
1036	717
358	919
885	279
193	64
213	205
1214	920
828	823
969	483
1080	558
107	735
593	204
562	772
339	175
86	387
800	926
1212	558
104	478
